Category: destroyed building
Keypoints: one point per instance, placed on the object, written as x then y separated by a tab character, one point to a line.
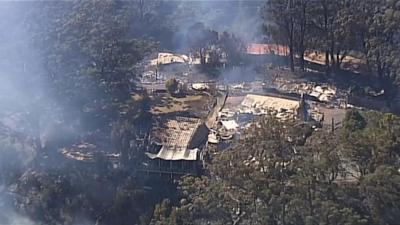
240	112
164	58
261	105
87	154
176	145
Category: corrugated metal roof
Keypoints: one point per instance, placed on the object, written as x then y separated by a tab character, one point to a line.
175	135
166	153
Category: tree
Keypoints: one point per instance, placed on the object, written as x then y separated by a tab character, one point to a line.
370	140
330	31
381	192
357	145
130	126
173	86
302	28
154	20
121	136
199	38
93	51
354	121
87	54
280	23
365	29
271	179
380	44
232	46
262	180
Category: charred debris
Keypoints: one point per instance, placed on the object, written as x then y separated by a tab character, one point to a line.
203	99
193	113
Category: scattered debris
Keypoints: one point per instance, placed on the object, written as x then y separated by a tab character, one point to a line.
87	152
261	105
212	137
323	93
200	86
230	125
164	58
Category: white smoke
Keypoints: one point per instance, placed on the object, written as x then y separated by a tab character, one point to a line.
8	216
239	17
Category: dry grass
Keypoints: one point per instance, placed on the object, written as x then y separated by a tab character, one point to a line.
168	104
232	102
320	58
336	114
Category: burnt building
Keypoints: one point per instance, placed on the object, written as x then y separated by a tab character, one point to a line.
176	146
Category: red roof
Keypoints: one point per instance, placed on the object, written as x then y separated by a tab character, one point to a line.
263	49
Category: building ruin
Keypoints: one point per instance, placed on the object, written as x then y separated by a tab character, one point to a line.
176	145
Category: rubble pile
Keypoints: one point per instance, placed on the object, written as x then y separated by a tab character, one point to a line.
87	152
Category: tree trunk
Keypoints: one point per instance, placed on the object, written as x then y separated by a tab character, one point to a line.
332	56
310	204
303	34
379	66
291	35
291	47
291	58
327	66
327	35
141	9
302	60
338	61
202	57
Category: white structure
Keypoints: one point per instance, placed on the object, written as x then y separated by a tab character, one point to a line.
324	94
259	104
166	153
230	125
200	86
179	138
164	58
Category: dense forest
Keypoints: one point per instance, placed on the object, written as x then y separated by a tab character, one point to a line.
365	29
279	174
69	69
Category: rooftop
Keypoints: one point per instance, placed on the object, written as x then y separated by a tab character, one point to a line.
175	136
175	154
